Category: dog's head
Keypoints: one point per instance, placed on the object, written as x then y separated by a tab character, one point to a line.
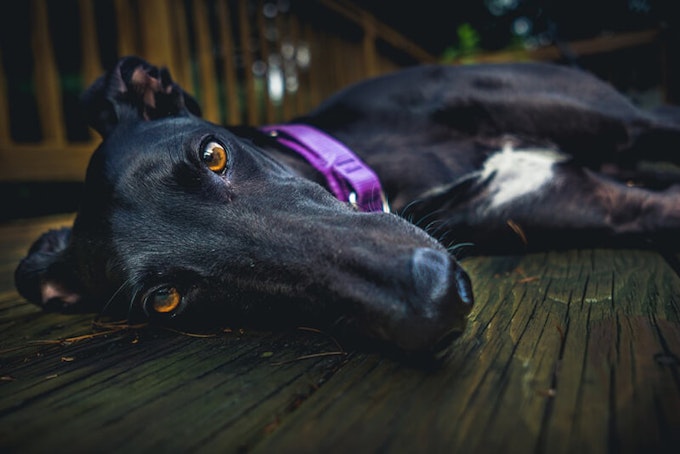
183	222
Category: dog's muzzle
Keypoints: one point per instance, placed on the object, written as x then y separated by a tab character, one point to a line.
436	300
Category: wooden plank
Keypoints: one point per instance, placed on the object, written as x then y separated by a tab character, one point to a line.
584	47
368	44
181	73
151	390
91	67
288	28
5	134
561	355
574	351
209	100
47	83
45	162
357	15
140	388
614	354
230	81
269	114
313	86
128	31
252	110
156	34
91	61
360	71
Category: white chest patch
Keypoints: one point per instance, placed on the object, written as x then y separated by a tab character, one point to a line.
514	173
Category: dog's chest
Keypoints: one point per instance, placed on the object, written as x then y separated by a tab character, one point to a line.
513	173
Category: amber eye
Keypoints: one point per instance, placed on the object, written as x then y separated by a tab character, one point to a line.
164	300
215	157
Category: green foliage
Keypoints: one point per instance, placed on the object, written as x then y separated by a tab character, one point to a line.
72	83
467	44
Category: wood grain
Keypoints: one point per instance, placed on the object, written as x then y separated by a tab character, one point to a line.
565	352
573	351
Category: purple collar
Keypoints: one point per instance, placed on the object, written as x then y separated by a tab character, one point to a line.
349	178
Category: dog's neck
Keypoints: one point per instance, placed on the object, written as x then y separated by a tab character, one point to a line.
347	176
287	157
315	155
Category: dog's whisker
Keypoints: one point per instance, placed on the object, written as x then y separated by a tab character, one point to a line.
110	301
431	228
428	216
403	212
455	248
441	235
133	298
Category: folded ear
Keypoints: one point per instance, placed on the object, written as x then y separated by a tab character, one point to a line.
134	90
45	276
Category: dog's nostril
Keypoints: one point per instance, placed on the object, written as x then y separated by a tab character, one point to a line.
464	287
430	270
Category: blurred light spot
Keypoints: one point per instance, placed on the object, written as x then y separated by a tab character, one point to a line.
270	10
287	50
500	7
292	83
521	26
639	6
303	55
259	68
275	79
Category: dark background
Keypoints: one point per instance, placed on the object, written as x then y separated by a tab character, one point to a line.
488	26
432	24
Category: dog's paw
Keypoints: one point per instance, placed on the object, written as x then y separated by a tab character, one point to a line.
41	277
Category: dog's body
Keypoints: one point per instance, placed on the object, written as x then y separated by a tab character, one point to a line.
497	155
471	148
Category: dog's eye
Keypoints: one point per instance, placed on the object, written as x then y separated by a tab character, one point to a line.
163	300
214	156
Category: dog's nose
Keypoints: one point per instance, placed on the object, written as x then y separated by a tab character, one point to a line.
440	298
435	275
430	273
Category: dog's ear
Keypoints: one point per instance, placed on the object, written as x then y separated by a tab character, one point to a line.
45	277
135	90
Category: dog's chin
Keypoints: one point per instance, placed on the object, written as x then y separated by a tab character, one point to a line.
434	309
430	348
437	354
430	357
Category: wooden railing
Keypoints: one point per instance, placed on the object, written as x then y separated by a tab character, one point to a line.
581	48
243	64
244	60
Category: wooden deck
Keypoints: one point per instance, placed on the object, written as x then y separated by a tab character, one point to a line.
566	352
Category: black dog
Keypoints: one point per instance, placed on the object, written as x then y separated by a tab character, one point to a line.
183	220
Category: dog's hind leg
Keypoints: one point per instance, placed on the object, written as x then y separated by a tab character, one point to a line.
652	158
659	138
